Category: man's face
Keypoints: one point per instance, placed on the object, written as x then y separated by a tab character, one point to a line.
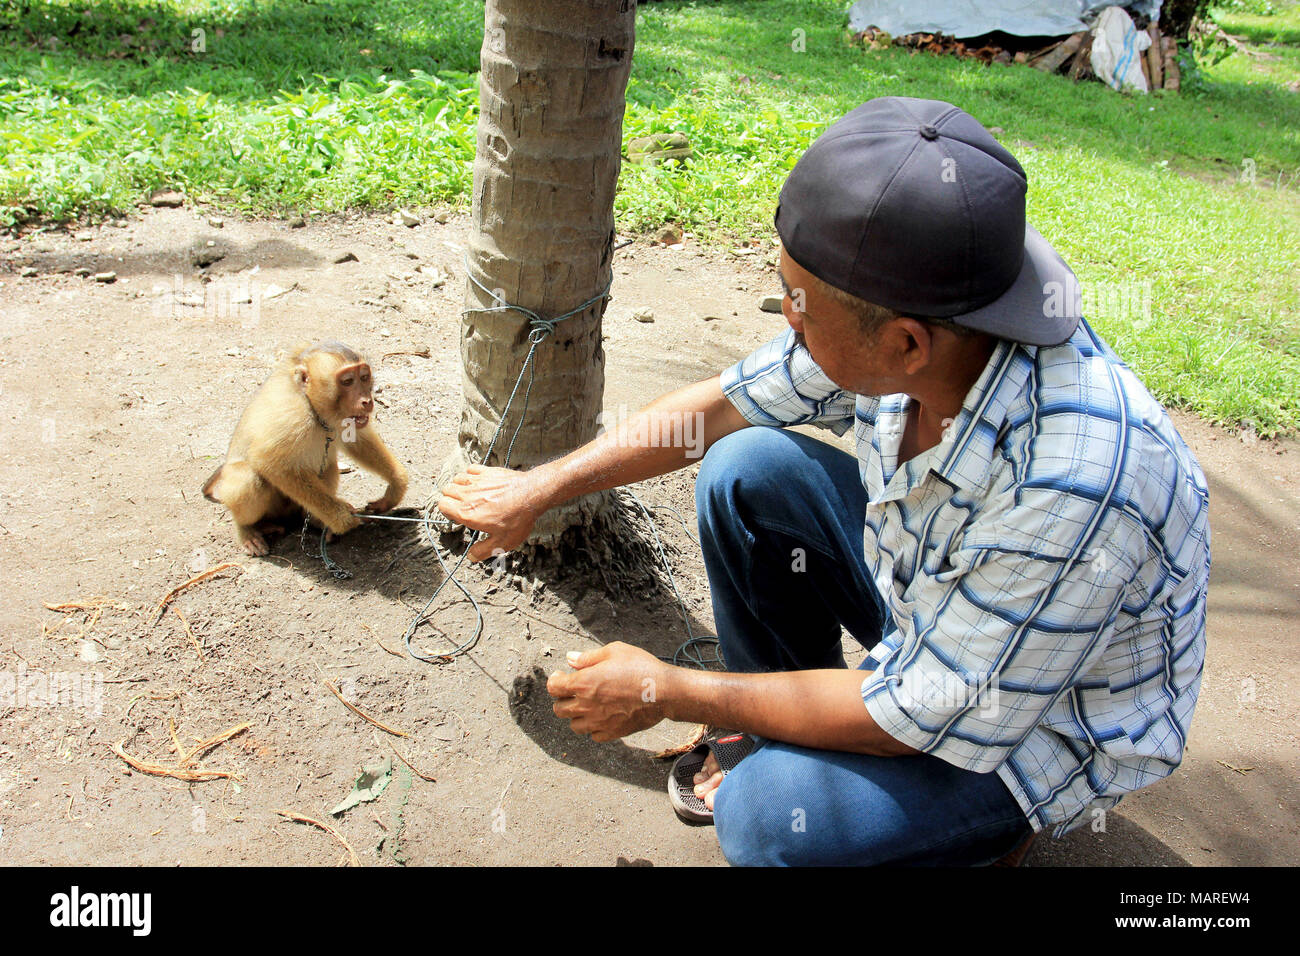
833	335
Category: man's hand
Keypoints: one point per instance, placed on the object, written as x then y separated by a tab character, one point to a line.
499	501
613	691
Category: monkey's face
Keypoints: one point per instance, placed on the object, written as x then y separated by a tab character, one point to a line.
354	394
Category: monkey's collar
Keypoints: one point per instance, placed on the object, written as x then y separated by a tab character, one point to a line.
329	437
316	415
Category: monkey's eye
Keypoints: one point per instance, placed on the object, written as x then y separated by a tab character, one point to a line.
347	382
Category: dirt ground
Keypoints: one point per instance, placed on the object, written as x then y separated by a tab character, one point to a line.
118	398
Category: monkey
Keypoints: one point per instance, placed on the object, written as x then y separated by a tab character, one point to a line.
283	456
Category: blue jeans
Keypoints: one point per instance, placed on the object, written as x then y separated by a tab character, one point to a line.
781	519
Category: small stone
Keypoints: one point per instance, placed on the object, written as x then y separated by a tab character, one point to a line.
668	235
90	653
216	222
113	643
437	278
385	333
83	236
996	129
30	272
408	218
297	222
82	271
273	291
105	276
643	315
345	257
711	318
169	198
442	217
771	303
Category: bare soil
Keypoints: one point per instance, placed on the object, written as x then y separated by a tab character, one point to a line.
118	398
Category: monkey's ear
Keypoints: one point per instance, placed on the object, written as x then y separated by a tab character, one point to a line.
300	376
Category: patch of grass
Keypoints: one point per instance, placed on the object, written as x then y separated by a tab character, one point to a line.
258	105
336	103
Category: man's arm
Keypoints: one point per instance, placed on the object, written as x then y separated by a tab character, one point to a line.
619	689
506	503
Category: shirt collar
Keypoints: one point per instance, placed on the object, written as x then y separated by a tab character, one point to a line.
972	439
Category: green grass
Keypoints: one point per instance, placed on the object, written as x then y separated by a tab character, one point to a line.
340	103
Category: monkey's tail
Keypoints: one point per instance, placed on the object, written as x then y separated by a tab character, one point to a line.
211	483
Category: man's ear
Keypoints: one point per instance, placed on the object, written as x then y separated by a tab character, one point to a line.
916	344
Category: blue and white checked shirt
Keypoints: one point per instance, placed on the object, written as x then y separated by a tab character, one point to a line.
1045	565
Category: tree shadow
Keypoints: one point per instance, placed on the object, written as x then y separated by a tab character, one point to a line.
228	257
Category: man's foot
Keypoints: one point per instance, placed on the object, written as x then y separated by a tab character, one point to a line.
708	780
696	775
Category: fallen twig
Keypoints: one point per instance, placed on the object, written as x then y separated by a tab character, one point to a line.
423	353
354	860
1241	770
198	648
183	769
361	713
162	605
71	607
402	757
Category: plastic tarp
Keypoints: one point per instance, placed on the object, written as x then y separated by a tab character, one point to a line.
965	18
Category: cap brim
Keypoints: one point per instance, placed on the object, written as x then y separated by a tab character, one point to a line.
1042	307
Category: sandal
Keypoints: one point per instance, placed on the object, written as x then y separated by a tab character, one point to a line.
729	749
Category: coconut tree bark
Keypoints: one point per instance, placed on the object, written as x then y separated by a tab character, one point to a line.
551	99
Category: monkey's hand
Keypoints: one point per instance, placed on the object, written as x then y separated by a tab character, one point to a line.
388	502
341	521
500	501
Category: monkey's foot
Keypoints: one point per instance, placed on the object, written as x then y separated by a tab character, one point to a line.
253	543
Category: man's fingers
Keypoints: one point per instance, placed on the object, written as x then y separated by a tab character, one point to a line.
580	659
485	548
557	685
566	707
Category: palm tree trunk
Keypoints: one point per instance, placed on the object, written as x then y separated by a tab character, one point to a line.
551	98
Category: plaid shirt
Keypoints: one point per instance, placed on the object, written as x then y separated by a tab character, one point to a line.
1045	566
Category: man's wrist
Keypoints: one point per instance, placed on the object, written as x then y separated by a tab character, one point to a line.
677	685
547	487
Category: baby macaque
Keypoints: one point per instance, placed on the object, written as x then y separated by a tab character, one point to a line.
283	457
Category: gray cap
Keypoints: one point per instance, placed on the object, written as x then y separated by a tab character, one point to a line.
913	205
